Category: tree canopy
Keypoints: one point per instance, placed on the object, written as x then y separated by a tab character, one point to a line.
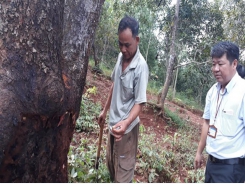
201	24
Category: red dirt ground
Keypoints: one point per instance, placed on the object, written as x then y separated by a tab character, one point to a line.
148	117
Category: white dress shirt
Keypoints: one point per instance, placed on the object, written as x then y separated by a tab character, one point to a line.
230	119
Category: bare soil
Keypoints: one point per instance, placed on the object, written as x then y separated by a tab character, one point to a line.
148	117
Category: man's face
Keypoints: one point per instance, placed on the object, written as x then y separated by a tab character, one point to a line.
127	44
222	70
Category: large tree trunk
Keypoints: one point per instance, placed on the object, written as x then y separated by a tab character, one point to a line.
171	58
44	49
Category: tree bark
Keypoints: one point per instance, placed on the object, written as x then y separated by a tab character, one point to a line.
44	50
171	58
175	82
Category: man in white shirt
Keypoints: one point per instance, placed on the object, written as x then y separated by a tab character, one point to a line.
223	131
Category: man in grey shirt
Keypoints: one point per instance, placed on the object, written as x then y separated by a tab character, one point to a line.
125	100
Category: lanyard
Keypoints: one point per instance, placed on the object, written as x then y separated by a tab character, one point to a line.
218	105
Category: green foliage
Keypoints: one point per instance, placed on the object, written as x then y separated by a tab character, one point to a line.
194	82
88	112
107	71
184	97
199	26
153	87
234	14
164	165
195	176
81	163
159	163
153	159
106	40
195	18
188	100
81	158
174	118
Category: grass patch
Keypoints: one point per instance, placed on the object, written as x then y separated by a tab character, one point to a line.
153	87
189	101
107	71
174	118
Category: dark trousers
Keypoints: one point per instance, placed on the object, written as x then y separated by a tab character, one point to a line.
121	156
224	173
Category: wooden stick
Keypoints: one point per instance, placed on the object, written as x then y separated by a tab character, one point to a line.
99	146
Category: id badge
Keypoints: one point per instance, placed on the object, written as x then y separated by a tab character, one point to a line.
212	131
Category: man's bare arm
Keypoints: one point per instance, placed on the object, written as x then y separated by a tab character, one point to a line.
201	144
102	115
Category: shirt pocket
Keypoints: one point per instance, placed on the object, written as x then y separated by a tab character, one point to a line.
229	123
127	86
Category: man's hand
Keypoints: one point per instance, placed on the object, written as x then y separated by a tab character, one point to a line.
101	119
119	129
198	161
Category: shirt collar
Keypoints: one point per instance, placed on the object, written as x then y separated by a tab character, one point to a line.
134	61
230	85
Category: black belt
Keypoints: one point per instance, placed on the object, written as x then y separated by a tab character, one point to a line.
231	161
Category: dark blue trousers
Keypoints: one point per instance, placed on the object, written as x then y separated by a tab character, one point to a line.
224	173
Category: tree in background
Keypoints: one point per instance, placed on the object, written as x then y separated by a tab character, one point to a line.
44	50
234	14
196	78
106	35
200	25
172	56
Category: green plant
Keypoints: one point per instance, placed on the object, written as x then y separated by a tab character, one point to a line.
106	70
154	87
195	176
89	91
152	160
170	94
88	112
81	164
164	165
189	101
174	117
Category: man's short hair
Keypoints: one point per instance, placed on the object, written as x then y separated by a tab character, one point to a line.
131	23
225	47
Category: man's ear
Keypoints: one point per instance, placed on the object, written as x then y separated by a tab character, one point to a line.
235	63
137	39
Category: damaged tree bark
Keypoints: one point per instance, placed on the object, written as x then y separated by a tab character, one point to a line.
44	50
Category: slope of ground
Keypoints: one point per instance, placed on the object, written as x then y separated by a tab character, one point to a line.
103	86
148	116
